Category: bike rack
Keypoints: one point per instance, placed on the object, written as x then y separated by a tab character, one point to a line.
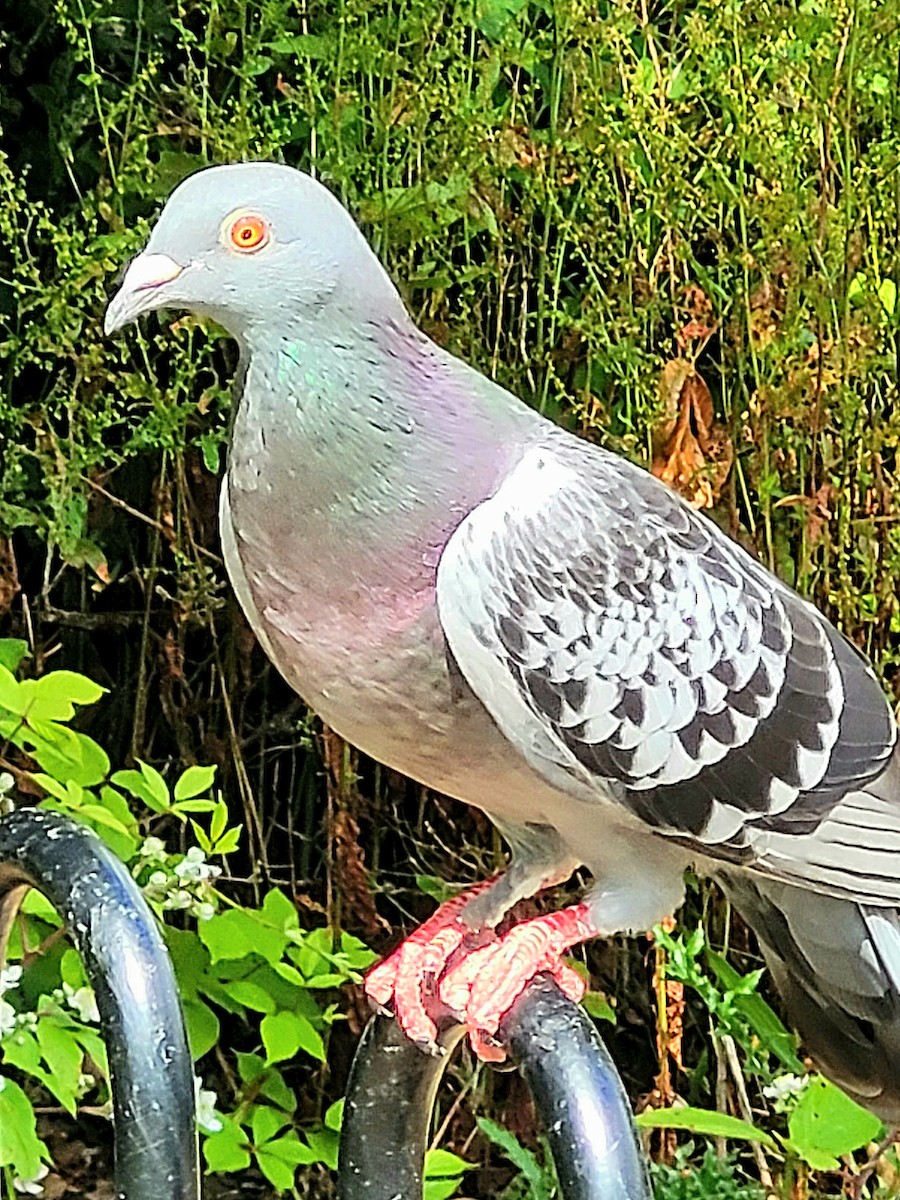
393	1083
128	966
572	1078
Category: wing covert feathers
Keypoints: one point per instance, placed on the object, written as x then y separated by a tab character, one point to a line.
621	640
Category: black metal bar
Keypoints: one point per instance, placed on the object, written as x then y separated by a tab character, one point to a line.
576	1088
129	968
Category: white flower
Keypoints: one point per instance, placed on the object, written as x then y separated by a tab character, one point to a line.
84	1003
33	1186
195	866
9	978
154	849
7	1018
204	911
159	879
205	1101
781	1089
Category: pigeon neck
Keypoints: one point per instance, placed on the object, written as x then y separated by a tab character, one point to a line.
368	437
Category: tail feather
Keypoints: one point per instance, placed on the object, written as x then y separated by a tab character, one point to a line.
836	963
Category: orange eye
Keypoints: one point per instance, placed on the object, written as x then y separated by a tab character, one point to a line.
248	232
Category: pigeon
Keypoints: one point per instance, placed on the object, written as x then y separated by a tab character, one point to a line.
529	623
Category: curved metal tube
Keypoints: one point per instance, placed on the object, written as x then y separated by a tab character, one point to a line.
576	1088
129	968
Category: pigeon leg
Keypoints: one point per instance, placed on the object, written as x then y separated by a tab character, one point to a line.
482	987
407	979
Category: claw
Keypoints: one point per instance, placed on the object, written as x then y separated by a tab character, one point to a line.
443	969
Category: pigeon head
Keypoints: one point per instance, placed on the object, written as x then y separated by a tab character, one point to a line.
256	246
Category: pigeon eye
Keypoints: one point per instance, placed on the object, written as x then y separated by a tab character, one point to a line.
248	232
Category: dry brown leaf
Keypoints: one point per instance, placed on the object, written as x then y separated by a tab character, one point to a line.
818	510
692	451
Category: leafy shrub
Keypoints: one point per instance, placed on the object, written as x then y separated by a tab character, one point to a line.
252	965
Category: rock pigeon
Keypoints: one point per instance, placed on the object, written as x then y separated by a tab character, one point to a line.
531	624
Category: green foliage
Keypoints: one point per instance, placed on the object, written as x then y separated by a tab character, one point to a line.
712	1179
536	1176
255	965
823	1124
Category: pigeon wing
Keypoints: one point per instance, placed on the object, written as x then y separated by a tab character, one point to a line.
630	649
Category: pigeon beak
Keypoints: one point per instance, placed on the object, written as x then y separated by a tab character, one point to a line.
138	294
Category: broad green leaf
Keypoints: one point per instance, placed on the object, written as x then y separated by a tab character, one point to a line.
239	932
324	1144
20	1147
65	688
285	1033
63	1056
703	1120
68	755
278	1159
826	1124
12	652
228	1150
194	782
251	995
136	784
265	1122
887	294
279	910
12	695
440	1163
202	1026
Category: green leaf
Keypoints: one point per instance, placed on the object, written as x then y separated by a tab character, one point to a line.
441	1163
265	1122
63	1056
267	1081
69	686
278	1160
334	1116
20	1147
762	1018
705	1121
12	652
240	932
194	782
436	888
519	1156
149	789
826	1124
202	1026
285	1033
596	1005
887	294
228	1150
68	755
12	695
324	1144
251	995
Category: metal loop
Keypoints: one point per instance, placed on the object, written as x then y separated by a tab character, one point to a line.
128	965
572	1078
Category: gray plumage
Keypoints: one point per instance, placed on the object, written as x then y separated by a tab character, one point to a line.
528	623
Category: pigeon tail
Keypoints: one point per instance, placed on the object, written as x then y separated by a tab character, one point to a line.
836	964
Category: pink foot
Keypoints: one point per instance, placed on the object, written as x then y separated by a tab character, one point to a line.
438	968
407	979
